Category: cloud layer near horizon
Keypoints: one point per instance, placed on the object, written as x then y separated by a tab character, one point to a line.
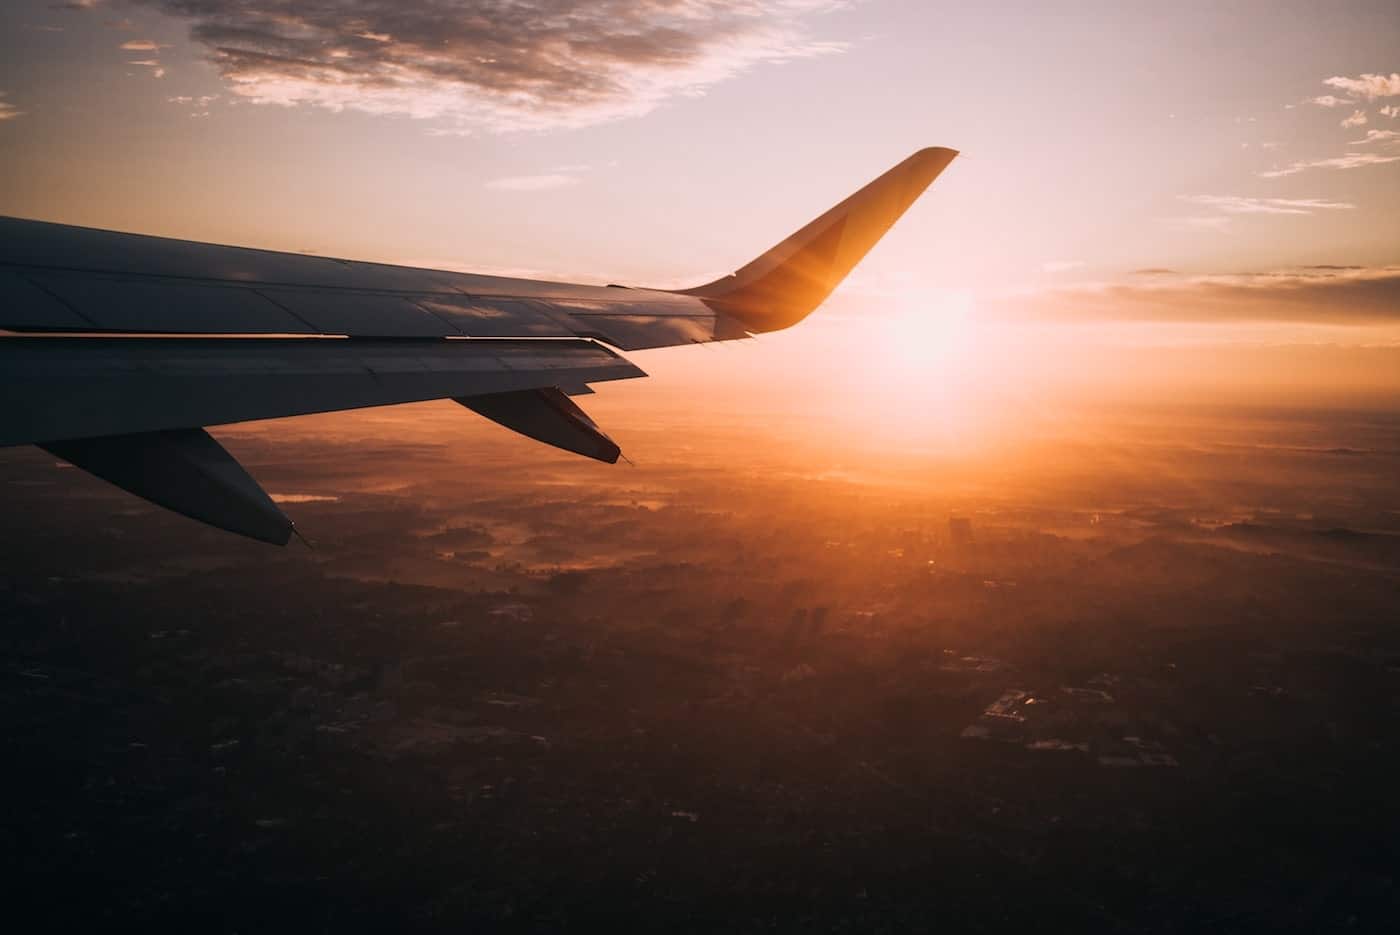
1238	204
8	111
494	65
1329	295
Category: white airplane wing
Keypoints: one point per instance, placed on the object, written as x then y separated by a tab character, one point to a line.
118	349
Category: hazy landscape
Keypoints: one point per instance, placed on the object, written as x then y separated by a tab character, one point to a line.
1138	678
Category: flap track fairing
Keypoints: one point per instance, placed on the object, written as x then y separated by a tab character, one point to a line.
549	416
184	470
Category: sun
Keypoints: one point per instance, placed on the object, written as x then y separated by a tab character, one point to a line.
928	337
937	375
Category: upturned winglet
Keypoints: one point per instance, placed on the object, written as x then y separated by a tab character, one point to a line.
788	282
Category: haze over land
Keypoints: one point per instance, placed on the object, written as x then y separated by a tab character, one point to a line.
761	679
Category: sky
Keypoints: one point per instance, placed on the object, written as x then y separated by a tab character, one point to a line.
1133	175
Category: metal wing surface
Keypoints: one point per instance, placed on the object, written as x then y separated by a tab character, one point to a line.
117	349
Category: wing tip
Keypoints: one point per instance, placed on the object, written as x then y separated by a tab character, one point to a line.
788	282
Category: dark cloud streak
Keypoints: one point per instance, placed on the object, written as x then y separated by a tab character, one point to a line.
491	64
1321	295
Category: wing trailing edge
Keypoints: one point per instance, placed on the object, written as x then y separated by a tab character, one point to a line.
89	387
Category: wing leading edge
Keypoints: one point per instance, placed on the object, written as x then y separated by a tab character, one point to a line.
122	347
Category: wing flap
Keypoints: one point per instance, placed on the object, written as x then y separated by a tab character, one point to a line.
119	386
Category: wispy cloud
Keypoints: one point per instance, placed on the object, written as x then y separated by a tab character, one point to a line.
199	104
1349	161
8	111
495	65
142	45
157	69
532	183
1239	204
1357	118
1330	100
1378	136
1317	294
1367	86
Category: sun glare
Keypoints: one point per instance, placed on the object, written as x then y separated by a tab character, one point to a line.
931	371
929	335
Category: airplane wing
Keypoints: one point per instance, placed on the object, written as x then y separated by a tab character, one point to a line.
118	349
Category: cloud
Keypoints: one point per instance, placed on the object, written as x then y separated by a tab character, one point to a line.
1357	118
532	183
1328	100
1367	86
157	70
495	65
1378	136
8	111
1338	295
199	103
1061	266
1238	204
1391	111
1349	161
142	45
